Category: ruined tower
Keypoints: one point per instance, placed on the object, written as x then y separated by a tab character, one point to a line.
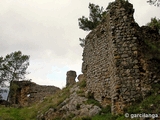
71	76
113	62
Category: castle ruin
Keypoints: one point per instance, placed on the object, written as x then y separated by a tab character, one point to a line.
115	67
25	93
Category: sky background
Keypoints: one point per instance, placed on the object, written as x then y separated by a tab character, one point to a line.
48	31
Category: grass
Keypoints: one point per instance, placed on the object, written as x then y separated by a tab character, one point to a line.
82	84
93	101
150	104
106	109
10	113
30	113
107	116
81	93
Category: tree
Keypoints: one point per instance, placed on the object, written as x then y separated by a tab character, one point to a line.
95	18
13	67
155	23
154	2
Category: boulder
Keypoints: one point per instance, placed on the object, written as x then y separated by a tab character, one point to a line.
95	110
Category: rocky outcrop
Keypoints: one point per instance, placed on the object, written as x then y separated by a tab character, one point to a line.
75	105
24	93
70	79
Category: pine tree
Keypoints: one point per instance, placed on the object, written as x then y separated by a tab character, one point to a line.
95	18
13	67
155	23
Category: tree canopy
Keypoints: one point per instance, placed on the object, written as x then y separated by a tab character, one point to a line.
155	23
13	67
95	18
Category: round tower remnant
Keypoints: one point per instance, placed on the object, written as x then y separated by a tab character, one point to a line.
71	76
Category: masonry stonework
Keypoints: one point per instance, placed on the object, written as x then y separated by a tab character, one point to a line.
24	93
114	65
71	76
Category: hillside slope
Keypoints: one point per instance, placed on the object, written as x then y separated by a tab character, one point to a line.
76	103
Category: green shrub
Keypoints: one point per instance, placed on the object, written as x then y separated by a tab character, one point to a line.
133	109
106	109
81	93
82	84
94	102
70	117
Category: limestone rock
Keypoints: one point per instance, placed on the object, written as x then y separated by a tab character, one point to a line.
95	110
76	105
84	112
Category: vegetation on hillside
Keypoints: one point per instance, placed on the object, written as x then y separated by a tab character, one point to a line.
151	44
155	24
150	104
31	112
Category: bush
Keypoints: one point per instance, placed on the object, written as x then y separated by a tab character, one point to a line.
94	102
82	84
106	109
81	93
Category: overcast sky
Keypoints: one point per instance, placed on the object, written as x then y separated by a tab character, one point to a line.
48	31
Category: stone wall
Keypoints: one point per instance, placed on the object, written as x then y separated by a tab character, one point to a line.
25	93
70	77
114	65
